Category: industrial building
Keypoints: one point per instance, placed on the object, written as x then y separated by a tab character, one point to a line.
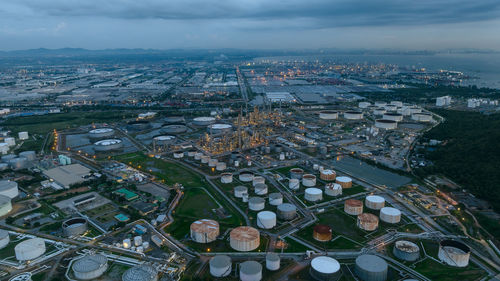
68	174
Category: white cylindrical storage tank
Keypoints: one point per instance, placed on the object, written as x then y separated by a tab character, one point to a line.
393	116
212	162
23	135
163	140
9	188
328	115
386	124
273	261
379	111
390	215
345	182
374	202
30	155
364	104
141	272
18	163
244	238
391	107
397	103
226	178
313	194
221	166
353	115
454	253
325	268
127	243
204	231
256	203
250	271
30	249
380	103
5	205
90	267
371	268
240	190
327	175
138	241
275	199
287	211
308	180
198	155
178	154
258	180
4	238
191	153
367	221
260	189
101	133
246	177
220	266
406	250
294	184
296	173
220	129
422	117
244	197
203	121
10	141
205	159
266	219
4	147
353	207
333	189
108	145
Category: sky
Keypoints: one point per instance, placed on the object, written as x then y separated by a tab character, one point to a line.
250	24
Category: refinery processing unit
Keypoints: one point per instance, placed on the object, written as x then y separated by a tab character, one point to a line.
286	186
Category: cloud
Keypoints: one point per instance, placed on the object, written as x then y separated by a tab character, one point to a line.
314	13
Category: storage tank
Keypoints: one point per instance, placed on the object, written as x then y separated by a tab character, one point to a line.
212	162
244	238
30	155
353	115
164	140
380	103
260	189
294	184
178	154
22	135
90	267
313	194
174	129
309	180
454	253
328	115
10	141
219	129
296	173
203	121
220	266
390	215
138	241
101	133
345	182
74	226
174	119
108	145
18	163
246	177
258	180
272	261
30	249
275	199
374	202
367	221
127	244
240	190
198	155
4	238
327	175
250	271
371	268
4	148
422	117
406	250
353	207
397	117
266	219
226	178
287	211
397	103
256	203
386	124
364	104
244	197
141	272
205	159
322	233
391	107
9	188
5	205
8	157
333	189
379	111
25	276
221	166
325	268
204	231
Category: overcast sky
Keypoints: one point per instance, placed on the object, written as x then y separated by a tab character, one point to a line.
265	24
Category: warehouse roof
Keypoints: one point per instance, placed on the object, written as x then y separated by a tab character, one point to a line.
68	175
